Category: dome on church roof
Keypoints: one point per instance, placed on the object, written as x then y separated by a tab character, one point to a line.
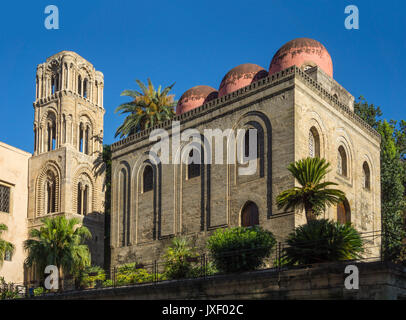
195	97
241	76
304	53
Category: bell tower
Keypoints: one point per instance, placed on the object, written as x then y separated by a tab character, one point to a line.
64	171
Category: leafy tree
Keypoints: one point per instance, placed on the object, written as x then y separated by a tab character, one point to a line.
240	249
393	177
313	195
368	112
322	241
392	192
5	246
179	259
148	107
59	242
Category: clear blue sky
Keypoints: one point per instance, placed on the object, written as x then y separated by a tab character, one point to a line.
194	42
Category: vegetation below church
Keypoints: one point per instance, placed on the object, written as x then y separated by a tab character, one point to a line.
59	242
322	241
240	249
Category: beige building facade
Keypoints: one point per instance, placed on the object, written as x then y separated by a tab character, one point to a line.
299	111
13	208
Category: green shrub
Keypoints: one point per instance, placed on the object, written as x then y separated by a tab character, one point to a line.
8	291
323	241
200	271
130	274
240	249
91	276
180	259
39	291
108	283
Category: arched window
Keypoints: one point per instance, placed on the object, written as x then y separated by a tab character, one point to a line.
87	140
83	196
50	193
343	212
342	162
53	85
84	138
193	169
79	199
85	199
247	144
85	87
250	215
314	143
123	207
51	133
366	175
148	179
81	138
80	85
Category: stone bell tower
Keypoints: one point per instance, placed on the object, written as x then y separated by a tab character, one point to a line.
65	173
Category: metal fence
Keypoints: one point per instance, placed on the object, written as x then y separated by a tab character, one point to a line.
202	265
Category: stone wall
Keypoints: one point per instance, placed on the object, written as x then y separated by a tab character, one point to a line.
377	281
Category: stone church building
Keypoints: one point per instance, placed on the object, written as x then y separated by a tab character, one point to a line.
296	107
298	110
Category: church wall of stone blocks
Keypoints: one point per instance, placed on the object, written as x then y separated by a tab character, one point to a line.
299	110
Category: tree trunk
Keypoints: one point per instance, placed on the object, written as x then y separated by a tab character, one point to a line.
310	214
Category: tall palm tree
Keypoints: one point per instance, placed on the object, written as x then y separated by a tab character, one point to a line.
148	107
59	242
4	245
313	195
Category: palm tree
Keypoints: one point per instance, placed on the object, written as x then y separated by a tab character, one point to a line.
179	258
147	108
59	242
313	195
4	245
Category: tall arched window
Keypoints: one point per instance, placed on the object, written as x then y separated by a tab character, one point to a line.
343	212
85	199
79	199
84	193
314	143
123	207
84	138
50	193
250	215
148	179
79	85
342	162
247	144
366	175
87	140
193	169
85	88
51	133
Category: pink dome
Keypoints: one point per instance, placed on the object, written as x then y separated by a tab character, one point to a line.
195	97
302	52
241	76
